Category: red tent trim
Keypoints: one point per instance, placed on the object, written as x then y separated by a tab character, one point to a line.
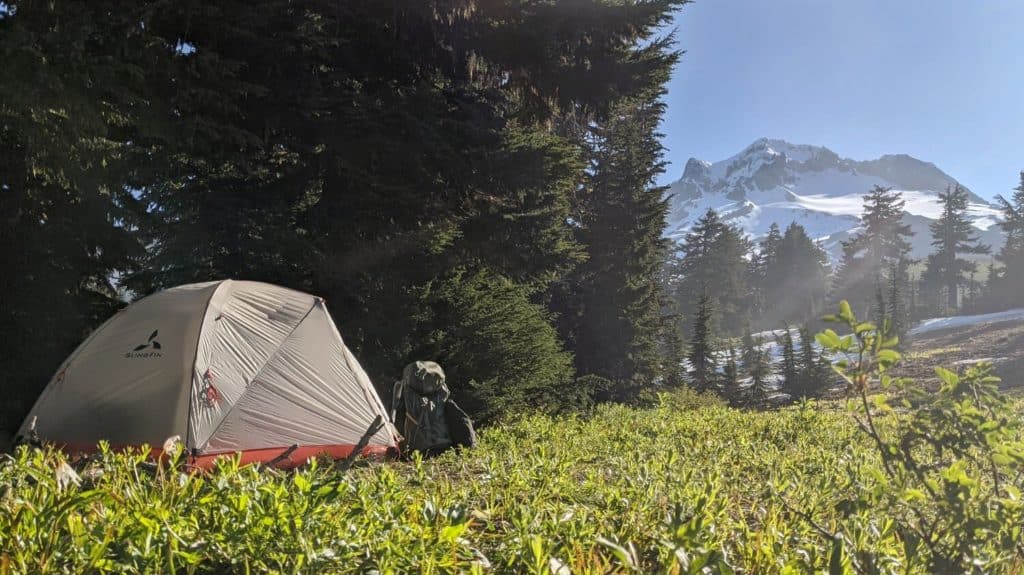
295	458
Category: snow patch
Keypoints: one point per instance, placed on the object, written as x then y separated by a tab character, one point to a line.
960	321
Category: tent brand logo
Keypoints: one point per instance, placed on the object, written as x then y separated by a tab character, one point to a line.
149	349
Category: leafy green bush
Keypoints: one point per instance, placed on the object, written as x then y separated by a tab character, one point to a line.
947	483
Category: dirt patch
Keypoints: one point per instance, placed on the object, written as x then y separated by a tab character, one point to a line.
1001	343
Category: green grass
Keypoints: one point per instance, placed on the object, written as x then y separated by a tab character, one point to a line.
663	489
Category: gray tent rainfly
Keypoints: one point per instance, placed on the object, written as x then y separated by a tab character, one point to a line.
228	366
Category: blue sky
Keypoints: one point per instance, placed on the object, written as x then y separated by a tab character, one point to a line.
941	80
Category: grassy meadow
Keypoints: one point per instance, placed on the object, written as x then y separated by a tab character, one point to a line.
686	486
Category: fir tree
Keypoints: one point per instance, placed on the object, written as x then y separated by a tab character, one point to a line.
713	261
813	367
794	276
1007	286
493	329
77	133
895	303
761	264
880	311
952	235
621	301
672	349
394	158
340	168
673	352
731	378
702	353
868	256
748	348
757	365
913	288
788	368
772	244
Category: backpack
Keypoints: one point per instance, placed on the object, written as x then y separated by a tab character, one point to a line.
460	426
418	408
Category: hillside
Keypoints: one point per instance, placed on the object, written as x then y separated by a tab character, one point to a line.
773	181
961	341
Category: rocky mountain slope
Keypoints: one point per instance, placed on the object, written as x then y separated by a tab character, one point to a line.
775	181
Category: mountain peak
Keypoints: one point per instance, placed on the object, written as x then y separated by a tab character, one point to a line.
775	181
696	169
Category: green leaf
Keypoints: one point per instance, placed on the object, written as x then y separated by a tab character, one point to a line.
914	495
863	327
888	356
845	313
452	532
948	377
828	339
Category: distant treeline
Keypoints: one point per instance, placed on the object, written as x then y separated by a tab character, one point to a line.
786	278
731	287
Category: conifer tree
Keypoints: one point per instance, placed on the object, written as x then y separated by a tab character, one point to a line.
761	262
340	167
952	235
702	353
895	303
813	367
788	368
392	157
868	256
1007	287
794	276
880	311
673	352
772	244
731	378
77	131
757	365
621	300
913	288
747	348
713	262
672	349
991	278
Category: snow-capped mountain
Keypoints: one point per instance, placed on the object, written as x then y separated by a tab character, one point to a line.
775	181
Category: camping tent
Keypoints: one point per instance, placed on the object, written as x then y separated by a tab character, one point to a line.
228	366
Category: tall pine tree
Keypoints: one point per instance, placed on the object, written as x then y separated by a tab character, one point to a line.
788	368
793	274
757	365
713	262
77	130
1007	286
896	306
731	389
702	351
409	161
952	236
396	158
869	256
620	321
762	261
814	368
